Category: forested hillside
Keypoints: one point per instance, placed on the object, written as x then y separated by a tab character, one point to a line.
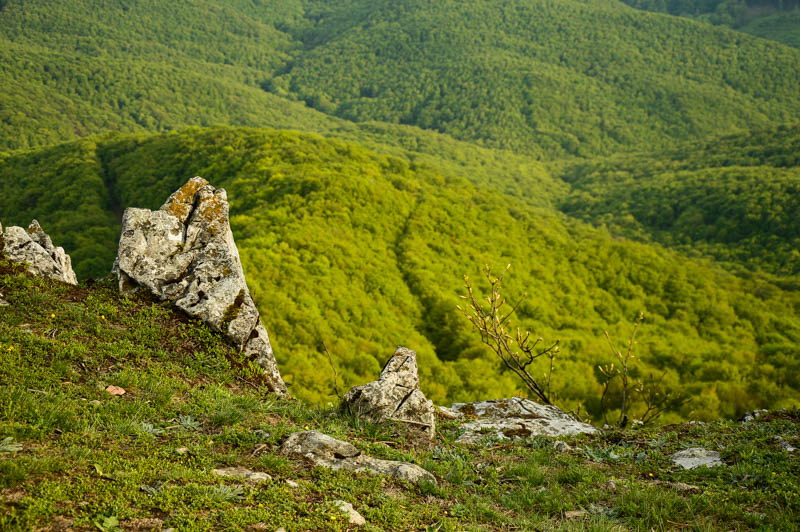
736	199
547	78
778	20
365	252
621	161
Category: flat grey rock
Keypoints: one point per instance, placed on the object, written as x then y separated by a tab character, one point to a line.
242	472
353	516
395	396
322	450
34	248
516	418
696	457
184	253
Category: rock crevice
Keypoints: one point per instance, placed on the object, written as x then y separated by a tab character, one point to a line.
395	396
185	253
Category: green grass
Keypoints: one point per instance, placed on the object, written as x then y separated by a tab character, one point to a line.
70	453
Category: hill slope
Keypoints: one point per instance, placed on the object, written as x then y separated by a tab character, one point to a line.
74	456
778	20
365	252
545	78
735	198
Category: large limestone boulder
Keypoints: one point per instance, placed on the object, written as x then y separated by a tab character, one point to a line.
515	418
395	396
34	248
184	253
322	450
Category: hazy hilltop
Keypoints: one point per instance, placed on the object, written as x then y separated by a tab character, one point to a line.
548	78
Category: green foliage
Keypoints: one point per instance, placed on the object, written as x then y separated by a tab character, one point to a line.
546	78
539	77
778	20
365	252
736	199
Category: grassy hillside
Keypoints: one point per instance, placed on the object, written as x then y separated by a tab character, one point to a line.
734	199
544	78
365	252
74	456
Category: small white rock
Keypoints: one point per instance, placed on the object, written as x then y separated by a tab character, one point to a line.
292	483
561	447
696	457
353	515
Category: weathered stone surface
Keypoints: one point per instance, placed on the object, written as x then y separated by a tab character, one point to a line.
184	253
322	450
395	396
755	414
784	445
353	516
242	472
696	457
516	418
34	248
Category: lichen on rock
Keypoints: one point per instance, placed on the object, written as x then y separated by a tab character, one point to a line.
323	450
34	248
395	396
185	253
515	418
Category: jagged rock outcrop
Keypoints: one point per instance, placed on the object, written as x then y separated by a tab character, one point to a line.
184	253
516	418
34	248
322	450
395	396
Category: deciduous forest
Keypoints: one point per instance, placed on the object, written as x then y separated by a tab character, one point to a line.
621	160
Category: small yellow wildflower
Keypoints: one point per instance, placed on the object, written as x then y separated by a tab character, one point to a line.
649	474
306	427
102	316
52	316
10	348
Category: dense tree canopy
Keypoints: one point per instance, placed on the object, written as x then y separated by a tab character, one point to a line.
543	77
365	252
606	153
736	199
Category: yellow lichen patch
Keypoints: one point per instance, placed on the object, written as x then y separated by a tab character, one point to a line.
214	212
180	202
